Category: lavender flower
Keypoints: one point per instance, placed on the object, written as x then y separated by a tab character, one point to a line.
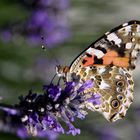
54	91
43	112
39	114
72	130
87	84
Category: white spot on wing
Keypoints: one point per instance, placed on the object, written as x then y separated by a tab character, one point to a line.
118	41
138	28
90	51
98	53
128	29
104	85
134	53
101	70
137	46
129	45
114	37
133	34
133	39
107	33
125	24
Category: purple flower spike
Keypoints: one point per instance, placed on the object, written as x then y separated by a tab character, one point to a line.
87	84
53	91
72	130
58	128
50	134
43	112
81	115
22	133
52	124
70	115
69	86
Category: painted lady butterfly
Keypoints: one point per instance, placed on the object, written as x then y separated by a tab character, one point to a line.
109	62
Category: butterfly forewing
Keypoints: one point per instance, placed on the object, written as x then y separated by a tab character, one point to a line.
118	47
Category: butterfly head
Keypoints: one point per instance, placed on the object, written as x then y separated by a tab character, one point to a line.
119	95
61	71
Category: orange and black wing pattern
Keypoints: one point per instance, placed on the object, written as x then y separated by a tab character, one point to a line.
119	47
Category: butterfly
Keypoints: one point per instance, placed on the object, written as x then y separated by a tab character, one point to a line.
109	63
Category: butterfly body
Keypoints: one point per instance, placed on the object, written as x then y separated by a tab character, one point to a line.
109	62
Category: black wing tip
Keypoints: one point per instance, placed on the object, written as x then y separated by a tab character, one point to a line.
133	22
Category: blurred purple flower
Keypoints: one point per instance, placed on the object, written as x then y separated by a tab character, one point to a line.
61	4
107	134
48	19
12	123
5	36
33	39
52	25
22	133
38	18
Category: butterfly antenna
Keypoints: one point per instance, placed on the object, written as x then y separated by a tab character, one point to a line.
53	79
58	83
45	48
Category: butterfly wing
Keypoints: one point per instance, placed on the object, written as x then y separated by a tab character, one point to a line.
119	47
113	55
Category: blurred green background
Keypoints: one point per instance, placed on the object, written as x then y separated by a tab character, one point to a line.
24	65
